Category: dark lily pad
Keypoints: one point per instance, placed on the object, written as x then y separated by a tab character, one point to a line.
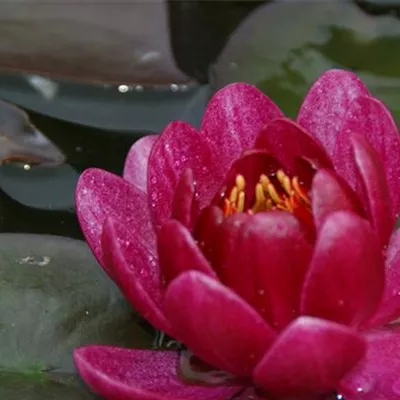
53	298
40	187
119	42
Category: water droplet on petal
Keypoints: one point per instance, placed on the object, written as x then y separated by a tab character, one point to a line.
365	384
261	292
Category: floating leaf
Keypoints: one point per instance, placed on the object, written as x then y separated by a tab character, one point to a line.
282	47
125	42
54	297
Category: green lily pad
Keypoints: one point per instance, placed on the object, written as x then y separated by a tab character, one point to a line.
53	298
282	47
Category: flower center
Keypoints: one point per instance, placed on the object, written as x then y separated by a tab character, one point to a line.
275	192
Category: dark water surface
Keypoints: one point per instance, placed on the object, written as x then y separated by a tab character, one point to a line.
279	46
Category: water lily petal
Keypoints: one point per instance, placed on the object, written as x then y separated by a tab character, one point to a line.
376	191
345	280
185	207
389	309
371	117
250	393
127	374
394	247
216	324
376	376
267	264
233	118
101	194
178	252
136	272
288	142
206	229
325	106
180	147
225	239
329	193
135	168
309	358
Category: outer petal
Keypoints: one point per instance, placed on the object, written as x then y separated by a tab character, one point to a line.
370	117
185	207
216	324
135	271
126	374
309	358
346	277
323	110
180	147
288	142
267	264
376	376
178	252
100	194
135	169
233	118
389	309
329	194
363	170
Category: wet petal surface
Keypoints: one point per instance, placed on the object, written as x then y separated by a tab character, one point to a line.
126	374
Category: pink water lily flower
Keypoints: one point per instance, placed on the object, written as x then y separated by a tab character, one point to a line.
264	245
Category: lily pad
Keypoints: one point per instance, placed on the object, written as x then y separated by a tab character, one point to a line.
120	108
40	187
53	298
282	47
114	42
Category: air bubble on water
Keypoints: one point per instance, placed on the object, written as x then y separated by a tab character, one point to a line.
123	88
174	87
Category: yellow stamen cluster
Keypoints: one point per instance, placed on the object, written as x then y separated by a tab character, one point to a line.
288	197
